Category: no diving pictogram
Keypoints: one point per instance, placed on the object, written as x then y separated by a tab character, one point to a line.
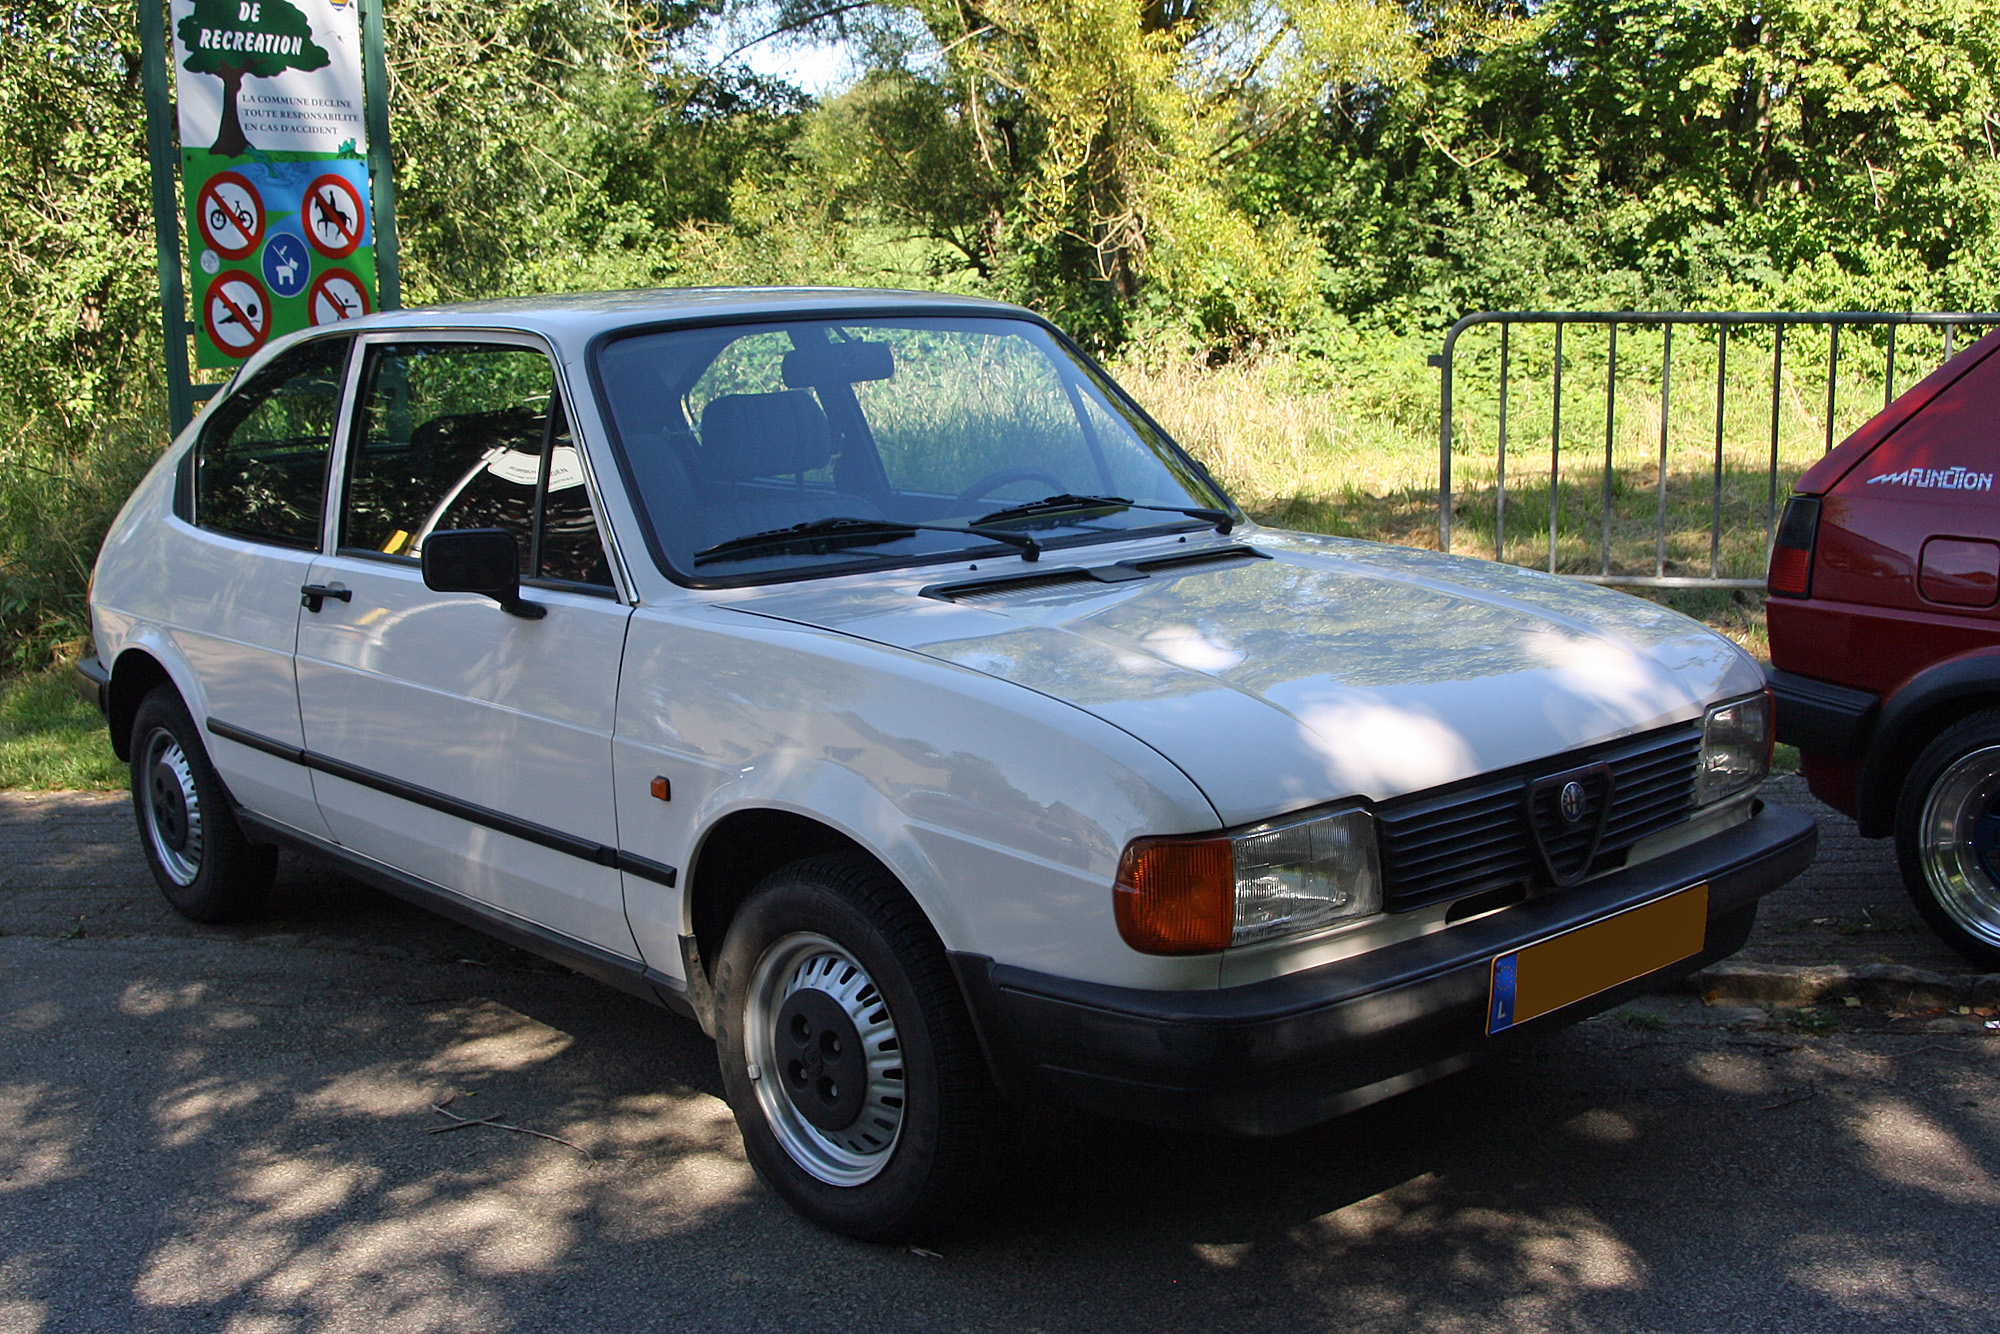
334	215
336	295
230	214
237	313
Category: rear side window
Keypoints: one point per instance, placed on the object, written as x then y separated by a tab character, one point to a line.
466	435
260	465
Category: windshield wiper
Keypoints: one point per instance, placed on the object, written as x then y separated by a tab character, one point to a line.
1222	520
846	530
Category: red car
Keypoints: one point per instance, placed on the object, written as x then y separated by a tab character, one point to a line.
1885	639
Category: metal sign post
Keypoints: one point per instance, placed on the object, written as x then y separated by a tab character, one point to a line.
284	173
166	219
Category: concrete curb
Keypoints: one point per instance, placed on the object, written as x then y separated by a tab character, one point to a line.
1874	984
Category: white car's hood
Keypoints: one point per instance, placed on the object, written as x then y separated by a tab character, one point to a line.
1332	668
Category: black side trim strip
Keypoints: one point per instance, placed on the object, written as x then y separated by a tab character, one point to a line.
422	796
630	976
525	830
229	732
646	869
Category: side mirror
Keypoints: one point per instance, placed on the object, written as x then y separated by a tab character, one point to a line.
486	561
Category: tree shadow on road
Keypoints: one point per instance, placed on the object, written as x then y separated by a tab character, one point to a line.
233	1130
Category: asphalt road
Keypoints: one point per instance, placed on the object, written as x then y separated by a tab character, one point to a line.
237	1130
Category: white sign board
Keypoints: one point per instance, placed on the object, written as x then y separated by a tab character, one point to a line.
280	76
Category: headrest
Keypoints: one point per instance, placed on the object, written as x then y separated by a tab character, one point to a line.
764	435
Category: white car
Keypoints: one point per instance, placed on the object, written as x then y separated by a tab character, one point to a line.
864	675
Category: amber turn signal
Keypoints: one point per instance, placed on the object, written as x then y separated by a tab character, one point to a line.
1176	896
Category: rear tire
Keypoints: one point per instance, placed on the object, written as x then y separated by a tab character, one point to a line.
847	1053
197	852
1948	836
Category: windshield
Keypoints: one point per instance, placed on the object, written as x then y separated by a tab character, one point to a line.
744	443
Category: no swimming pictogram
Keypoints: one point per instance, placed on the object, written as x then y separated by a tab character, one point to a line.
236	313
334	216
230	214
336	295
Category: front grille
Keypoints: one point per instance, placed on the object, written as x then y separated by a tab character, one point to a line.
1475	836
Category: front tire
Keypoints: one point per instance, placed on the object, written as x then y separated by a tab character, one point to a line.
197	852
1948	836
847	1054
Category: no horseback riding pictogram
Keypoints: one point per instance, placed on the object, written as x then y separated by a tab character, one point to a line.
336	295
334	215
236	313
230	215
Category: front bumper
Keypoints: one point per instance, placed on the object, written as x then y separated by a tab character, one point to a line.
1276	1056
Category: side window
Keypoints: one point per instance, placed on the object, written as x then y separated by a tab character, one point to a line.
466	435
260	465
568	548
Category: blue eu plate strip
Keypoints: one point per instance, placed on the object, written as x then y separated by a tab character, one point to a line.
1502	1014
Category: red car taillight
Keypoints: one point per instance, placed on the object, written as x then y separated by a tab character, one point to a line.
1792	553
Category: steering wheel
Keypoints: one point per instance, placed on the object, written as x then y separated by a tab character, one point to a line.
993	481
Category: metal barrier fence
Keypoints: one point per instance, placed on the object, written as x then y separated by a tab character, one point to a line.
1878	351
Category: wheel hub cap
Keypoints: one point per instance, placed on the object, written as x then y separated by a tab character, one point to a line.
1959	842
824	1069
171	808
826	1059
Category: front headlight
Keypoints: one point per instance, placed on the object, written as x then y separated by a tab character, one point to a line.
1735	748
1194	895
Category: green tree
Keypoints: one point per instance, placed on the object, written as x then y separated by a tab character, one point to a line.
1666	152
1086	153
238	39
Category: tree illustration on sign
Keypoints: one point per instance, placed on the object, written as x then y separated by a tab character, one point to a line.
232	39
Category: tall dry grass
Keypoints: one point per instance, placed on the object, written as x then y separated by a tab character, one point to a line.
1356	451
1295	451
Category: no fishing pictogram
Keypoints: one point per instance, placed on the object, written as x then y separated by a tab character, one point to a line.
236	313
334	215
230	214
336	295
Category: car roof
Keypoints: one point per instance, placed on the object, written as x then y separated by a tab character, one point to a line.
577	317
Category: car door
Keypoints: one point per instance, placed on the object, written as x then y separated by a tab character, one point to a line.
452	739
256	493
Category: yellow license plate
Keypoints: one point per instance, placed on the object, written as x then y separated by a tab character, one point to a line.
1564	969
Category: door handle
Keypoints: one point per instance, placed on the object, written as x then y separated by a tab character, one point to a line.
312	595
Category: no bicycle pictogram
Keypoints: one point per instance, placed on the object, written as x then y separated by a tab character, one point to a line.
236	313
335	217
336	295
230	214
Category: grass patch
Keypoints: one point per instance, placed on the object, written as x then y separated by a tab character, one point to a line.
1640	1021
51	738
